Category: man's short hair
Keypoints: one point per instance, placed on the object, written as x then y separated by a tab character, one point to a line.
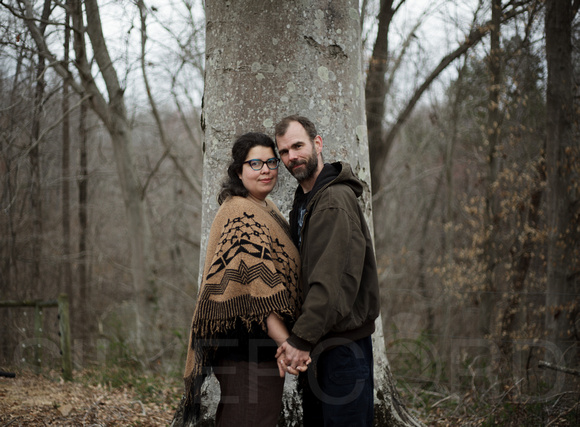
282	126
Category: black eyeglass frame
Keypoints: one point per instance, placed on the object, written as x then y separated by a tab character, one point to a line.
261	163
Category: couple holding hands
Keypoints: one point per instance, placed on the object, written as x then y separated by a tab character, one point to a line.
298	296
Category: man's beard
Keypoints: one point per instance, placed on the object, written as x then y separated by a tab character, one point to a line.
310	166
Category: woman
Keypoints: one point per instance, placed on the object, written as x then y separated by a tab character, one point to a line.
249	296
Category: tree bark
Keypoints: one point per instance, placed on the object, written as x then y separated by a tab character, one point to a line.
563	200
83	189
376	88
65	173
34	157
9	271
9	268
283	64
492	142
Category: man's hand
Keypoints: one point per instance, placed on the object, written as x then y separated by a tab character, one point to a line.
292	360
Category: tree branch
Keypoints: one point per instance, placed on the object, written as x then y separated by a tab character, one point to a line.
193	184
101	53
39	40
471	40
548	365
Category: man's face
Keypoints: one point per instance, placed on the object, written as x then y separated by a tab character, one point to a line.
298	153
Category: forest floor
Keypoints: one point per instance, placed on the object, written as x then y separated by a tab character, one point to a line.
38	400
92	400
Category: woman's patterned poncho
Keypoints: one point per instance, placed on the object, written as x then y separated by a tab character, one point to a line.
252	269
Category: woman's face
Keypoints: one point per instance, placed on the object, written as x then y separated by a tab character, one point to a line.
259	183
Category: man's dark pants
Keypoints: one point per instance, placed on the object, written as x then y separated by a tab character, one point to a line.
339	391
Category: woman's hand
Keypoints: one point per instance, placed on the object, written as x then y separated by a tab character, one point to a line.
292	360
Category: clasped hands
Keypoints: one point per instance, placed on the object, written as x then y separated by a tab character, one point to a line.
292	360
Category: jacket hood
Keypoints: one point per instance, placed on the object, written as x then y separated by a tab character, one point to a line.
332	173
338	172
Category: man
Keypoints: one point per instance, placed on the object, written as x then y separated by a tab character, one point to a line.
341	292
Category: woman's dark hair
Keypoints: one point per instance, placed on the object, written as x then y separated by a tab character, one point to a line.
233	186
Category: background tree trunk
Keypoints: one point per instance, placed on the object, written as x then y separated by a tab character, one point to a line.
563	164
291	65
114	116
491	146
35	181
67	280
82	262
376	89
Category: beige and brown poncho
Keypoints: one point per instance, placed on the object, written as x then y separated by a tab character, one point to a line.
252	269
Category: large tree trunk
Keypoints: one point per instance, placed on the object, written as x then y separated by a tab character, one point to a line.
563	168
293	58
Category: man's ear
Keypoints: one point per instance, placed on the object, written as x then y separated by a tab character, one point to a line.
318	144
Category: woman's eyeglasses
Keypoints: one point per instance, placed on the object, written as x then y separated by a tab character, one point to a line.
257	164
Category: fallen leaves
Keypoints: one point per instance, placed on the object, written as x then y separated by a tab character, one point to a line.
34	400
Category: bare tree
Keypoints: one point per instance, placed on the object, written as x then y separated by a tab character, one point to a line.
112	111
8	162
492	143
191	180
562	164
520	253
34	155
376	87
67	278
381	139
82	183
